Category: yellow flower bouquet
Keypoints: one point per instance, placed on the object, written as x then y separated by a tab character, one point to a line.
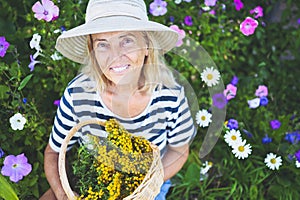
122	166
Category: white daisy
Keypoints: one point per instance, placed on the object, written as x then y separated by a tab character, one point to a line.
17	121
205	167
272	161
210	76
204	170
232	137
297	164
203	118
241	150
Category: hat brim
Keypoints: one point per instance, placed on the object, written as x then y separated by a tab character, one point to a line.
73	43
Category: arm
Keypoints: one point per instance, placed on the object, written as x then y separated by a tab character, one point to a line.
174	159
52	175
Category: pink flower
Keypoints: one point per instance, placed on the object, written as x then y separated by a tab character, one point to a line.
210	2
248	26
230	91
46	11
238	4
181	34
262	91
258	11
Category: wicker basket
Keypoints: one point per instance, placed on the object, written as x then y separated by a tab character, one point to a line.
147	190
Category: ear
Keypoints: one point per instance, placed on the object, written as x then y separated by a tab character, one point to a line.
146	51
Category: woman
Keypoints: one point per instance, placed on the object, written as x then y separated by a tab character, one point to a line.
123	77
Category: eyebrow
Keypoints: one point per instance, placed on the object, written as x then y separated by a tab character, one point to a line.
121	36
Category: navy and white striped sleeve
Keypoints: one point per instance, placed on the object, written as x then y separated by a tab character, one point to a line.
181	126
63	122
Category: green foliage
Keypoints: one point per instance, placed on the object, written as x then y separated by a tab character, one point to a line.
268	57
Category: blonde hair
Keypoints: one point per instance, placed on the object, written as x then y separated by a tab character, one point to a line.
155	73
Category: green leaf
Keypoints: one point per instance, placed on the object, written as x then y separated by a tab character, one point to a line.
7	191
192	174
24	82
3	90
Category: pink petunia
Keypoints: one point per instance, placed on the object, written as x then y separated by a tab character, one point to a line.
248	26
45	10
181	34
238	4
258	10
230	91
262	91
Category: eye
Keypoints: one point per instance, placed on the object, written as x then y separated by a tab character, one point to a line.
127	42
102	46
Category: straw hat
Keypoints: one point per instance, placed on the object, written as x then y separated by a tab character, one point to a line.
112	15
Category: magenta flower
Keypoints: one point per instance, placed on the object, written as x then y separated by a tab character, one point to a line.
158	8
238	4
258	11
262	91
230	91
46	11
210	2
56	102
32	63
181	34
188	20
275	124
297	155
16	167
248	26
3	46
219	100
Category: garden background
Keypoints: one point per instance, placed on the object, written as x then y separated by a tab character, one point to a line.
33	76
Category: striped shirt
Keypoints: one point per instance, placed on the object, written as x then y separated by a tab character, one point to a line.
165	121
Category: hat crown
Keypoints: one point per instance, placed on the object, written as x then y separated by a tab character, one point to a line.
107	8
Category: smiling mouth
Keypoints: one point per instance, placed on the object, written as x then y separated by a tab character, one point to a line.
119	69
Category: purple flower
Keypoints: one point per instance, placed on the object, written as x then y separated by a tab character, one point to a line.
181	34
158	8
56	102
1	153
210	2
238	4
16	167
266	139
293	137
230	91
298	21
259	11
234	80
233	124
188	20
46	11
297	155
32	63
275	124
172	18
264	101
262	91
219	100
248	26
3	46
250	135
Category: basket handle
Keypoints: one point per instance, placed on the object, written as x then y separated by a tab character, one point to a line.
62	156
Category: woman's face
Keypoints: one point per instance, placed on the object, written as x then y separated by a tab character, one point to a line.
120	55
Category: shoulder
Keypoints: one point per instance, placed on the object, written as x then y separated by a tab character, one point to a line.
80	83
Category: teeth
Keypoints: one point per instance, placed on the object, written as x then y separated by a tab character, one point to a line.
119	69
